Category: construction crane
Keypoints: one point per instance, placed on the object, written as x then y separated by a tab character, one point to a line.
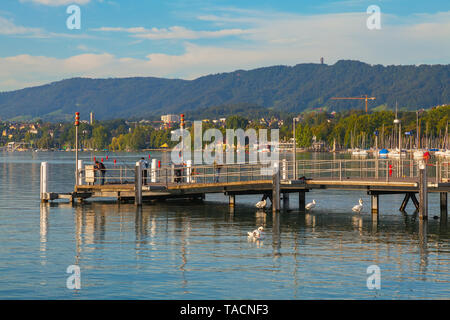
366	98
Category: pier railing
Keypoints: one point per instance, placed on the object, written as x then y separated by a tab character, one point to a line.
376	169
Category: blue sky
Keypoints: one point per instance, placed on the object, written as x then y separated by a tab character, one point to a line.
188	39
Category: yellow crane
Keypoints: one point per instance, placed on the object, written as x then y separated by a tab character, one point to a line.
365	97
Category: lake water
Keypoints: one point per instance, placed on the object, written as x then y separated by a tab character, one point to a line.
183	250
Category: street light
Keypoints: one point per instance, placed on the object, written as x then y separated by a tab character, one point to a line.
77	123
295	147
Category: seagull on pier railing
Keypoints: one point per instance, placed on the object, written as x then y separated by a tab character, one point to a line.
310	205
256	234
358	207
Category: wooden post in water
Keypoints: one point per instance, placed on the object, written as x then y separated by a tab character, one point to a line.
375	204
138	184
444	202
423	191
232	200
44	181
301	201
276	189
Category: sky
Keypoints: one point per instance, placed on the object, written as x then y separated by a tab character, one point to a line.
190	39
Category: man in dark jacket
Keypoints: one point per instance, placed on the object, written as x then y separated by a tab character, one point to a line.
99	166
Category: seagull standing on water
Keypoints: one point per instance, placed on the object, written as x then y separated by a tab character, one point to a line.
256	234
358	207
310	205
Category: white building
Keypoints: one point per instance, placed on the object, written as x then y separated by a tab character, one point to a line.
170	118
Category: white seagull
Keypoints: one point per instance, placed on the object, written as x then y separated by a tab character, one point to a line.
358	207
256	234
261	204
310	205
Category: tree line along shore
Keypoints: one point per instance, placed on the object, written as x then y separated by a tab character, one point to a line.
341	130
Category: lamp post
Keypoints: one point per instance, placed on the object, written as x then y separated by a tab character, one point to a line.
295	148
77	123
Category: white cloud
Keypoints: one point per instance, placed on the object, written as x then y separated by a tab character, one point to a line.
7	27
55	3
174	32
270	39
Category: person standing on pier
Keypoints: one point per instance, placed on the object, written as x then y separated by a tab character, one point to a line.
145	166
217	167
99	166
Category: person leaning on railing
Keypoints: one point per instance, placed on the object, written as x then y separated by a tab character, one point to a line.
99	166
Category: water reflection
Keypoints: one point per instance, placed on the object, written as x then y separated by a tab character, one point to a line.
276	236
178	242
43	227
423	247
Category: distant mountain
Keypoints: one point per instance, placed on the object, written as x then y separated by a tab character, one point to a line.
278	88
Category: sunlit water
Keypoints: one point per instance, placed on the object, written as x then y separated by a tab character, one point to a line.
183	250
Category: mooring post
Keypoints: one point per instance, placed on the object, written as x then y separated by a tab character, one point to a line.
80	172
276	188
232	200
375	204
302	201
138	184
423	191
44	181
444	202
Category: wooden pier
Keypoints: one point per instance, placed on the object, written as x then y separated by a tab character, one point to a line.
276	181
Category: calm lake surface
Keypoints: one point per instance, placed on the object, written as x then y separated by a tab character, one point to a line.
183	250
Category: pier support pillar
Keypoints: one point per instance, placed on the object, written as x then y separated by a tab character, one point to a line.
138	184
414	200
423	191
444	203
286	201
375	204
276	190
44	181
405	201
232	200
301	201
